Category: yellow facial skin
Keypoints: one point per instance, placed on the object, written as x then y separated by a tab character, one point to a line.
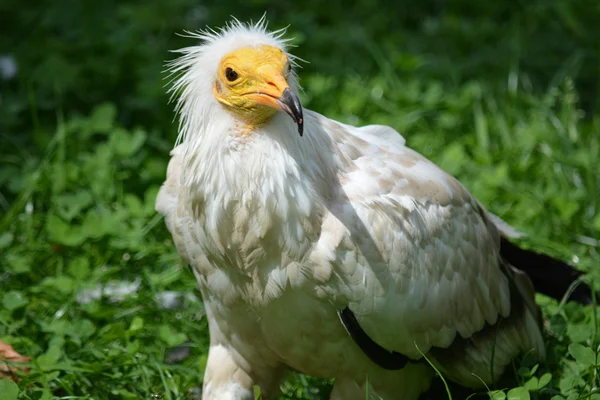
250	82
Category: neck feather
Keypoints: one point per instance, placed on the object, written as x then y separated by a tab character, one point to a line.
252	190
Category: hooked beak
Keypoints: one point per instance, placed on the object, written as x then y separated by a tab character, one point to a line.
290	103
276	93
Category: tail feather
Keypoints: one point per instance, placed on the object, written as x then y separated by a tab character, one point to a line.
550	276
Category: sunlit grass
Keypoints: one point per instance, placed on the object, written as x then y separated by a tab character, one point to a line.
90	228
91	286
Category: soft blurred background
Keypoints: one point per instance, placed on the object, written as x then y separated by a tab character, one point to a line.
504	95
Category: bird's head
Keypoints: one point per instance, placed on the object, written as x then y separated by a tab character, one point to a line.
243	69
252	83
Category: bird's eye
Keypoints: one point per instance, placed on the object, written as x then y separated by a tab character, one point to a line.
289	68
231	75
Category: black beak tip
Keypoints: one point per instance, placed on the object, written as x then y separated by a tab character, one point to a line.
291	105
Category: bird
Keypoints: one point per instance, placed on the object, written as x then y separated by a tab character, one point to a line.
334	250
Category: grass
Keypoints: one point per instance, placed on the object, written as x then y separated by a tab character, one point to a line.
90	284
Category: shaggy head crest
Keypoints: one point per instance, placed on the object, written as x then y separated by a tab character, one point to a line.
200	81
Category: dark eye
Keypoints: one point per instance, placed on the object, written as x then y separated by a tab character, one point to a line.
289	68
231	75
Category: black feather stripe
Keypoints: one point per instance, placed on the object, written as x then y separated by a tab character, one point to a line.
389	360
550	276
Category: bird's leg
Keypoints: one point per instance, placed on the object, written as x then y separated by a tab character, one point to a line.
224	379
407	384
347	389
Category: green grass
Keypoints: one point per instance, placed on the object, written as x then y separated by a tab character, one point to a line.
504	96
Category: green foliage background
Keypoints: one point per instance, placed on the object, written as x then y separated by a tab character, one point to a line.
504	95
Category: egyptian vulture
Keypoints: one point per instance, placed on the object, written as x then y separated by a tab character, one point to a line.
330	249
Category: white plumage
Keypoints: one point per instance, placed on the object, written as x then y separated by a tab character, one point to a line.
284	231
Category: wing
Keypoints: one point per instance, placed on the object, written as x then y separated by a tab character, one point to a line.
169	203
419	262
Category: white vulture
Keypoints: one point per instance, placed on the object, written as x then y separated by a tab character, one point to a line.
330	249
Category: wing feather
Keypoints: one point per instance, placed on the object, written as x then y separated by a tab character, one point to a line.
170	200
429	258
